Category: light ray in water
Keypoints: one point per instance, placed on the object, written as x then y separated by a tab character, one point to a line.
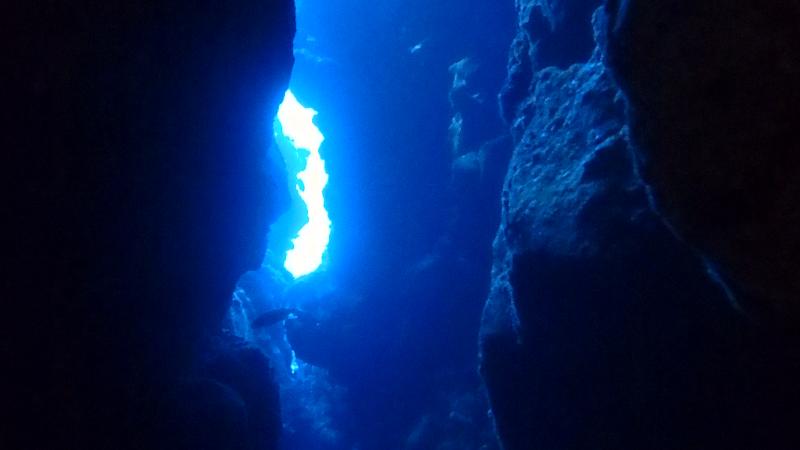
309	245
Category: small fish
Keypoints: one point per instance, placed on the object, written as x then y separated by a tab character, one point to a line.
273	316
416	48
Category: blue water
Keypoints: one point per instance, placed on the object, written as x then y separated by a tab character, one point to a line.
386	256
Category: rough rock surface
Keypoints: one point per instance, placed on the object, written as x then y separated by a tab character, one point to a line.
715	99
602	330
136	135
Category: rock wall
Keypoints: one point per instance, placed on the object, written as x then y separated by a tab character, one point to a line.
137	195
713	95
602	328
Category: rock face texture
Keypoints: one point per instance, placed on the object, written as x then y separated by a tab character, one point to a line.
136	137
602	329
713	92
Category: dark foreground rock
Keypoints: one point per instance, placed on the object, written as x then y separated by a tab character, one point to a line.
135	137
714	105
602	329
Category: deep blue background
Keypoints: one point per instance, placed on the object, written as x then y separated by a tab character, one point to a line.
385	113
400	311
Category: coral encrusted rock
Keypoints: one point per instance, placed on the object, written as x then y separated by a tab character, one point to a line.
603	330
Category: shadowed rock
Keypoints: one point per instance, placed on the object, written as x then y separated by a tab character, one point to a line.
602	330
714	101
137	194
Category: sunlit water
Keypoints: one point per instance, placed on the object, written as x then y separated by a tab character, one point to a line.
297	126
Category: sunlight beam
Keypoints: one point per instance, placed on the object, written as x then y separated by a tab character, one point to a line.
311	242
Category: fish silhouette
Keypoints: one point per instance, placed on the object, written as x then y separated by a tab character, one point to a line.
272	317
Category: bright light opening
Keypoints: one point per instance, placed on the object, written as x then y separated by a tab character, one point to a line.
309	245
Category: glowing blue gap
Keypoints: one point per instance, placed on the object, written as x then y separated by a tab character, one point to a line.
311	242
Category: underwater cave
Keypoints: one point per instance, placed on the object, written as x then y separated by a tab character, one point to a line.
403	224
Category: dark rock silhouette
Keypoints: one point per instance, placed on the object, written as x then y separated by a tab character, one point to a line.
137	193
713	95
